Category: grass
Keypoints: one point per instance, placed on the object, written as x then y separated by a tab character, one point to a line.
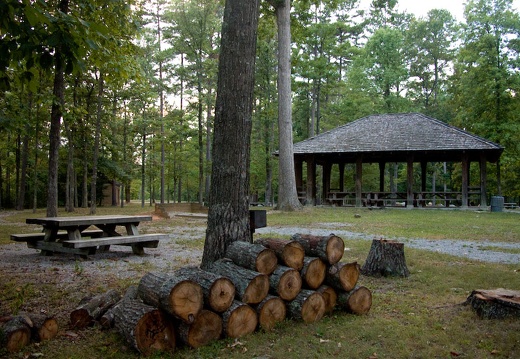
421	316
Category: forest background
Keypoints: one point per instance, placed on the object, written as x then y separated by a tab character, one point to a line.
139	85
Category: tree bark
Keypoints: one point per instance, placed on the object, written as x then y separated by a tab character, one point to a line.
270	311
356	301
145	328
495	304
219	291
329	248
252	256
228	216
43	327
15	333
90	311
313	272
251	287
177	294
385	258
239	320
285	282
93	184
308	306
343	276
206	328
107	320
289	253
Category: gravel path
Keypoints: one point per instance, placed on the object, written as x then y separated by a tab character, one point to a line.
481	251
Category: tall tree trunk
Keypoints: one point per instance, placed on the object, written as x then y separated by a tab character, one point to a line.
24	158
54	131
99	115
287	194
228	217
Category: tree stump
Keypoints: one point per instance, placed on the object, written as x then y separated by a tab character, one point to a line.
343	276
239	320
329	248
386	258
496	303
145	328
270	311
218	291
252	256
15	333
289	253
313	272
330	296
206	328
308	306
356	301
285	282
251	287
91	310
176	294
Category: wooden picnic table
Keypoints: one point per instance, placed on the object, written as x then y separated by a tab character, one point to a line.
72	234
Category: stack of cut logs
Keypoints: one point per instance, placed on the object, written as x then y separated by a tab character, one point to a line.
19	330
256	286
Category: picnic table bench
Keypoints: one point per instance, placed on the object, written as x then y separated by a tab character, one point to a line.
72	234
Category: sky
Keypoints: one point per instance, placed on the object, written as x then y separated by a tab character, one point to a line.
421	7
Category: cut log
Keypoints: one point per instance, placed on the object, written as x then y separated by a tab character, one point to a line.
251	287
386	258
330	296
107	320
176	294
356	301
219	291
43	327
239	320
308	306
313	272
15	333
206	328
495	303
271	311
329	248
343	276
289	253
285	282
252	256
87	313
145	328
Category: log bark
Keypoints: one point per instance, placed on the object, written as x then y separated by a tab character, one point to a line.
385	258
43	327
330	296
308	306
240	319
289	253
252	256
495	303
313	272
251	287
270	311
343	276
145	328
15	333
87	313
107	320
176	294
285	282
206	328
218	291
356	301
329	248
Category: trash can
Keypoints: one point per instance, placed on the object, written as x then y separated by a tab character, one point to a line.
497	204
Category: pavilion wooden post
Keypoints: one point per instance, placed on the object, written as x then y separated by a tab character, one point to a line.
311	181
409	182
359	180
483	181
465	179
341	177
382	176
327	169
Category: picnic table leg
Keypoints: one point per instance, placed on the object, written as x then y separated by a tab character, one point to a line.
50	233
131	229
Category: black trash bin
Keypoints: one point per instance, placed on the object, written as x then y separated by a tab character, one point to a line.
497	204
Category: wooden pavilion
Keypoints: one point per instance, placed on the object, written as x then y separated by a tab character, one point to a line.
393	138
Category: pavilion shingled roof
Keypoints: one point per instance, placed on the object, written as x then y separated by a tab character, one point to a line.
404	132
